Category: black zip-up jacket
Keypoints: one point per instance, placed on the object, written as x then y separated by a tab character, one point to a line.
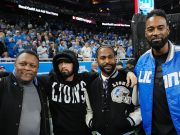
113	112
11	96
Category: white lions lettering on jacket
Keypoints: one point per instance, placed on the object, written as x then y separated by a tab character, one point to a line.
171	79
145	77
73	94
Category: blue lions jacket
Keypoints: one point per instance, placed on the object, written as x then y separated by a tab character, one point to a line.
145	71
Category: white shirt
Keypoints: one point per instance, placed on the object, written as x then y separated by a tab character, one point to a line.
42	52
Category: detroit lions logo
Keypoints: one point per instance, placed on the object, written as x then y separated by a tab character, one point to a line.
120	94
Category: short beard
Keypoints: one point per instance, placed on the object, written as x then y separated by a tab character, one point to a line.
65	75
158	45
105	71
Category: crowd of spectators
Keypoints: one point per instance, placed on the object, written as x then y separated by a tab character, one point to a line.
47	42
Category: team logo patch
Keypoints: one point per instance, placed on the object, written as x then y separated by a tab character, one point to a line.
120	94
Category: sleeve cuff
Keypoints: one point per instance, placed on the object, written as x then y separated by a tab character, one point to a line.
131	121
90	124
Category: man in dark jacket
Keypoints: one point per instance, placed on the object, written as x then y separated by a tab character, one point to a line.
112	105
66	95
23	104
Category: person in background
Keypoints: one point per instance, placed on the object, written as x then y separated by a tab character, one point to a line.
130	65
2	69
10	43
129	51
23	101
121	53
119	65
158	73
86	51
3	72
94	67
52	49
20	46
42	51
112	106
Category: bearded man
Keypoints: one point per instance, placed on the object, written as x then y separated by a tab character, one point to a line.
158	73
112	106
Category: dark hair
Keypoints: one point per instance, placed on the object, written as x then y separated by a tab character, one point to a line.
29	52
157	12
104	46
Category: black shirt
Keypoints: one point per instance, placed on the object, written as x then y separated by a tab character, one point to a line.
162	122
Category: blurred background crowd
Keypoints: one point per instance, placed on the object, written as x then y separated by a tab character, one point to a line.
47	41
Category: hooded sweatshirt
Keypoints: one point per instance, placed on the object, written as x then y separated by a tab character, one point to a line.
67	99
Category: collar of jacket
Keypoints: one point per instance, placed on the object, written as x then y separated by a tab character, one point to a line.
171	53
113	75
15	81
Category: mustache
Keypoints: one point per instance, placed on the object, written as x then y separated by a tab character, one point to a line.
108	64
156	38
28	73
64	69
